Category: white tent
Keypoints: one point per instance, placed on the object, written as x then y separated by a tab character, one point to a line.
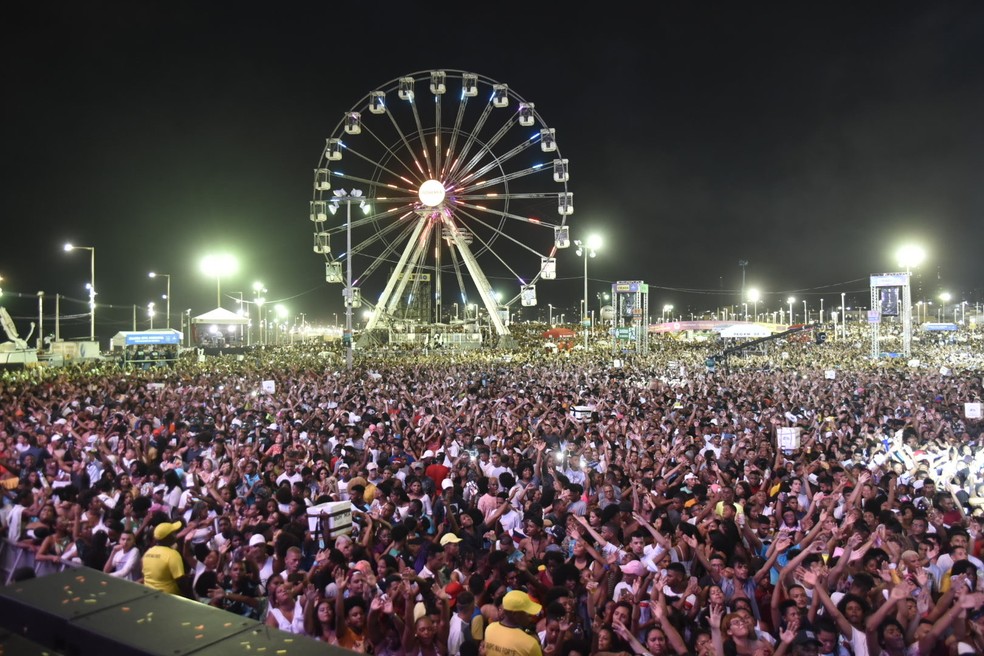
220	317
219	327
741	330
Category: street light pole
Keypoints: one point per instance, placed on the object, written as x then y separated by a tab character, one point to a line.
348	283
843	315
40	346
167	294
349	197
219	265
92	286
258	301
586	249
584	308
790	300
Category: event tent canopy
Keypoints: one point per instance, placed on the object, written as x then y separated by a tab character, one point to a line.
220	317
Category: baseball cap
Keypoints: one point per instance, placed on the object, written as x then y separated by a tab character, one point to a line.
454	589
519	601
449	538
447	484
428	454
633	567
372	465
256	539
165	529
417	465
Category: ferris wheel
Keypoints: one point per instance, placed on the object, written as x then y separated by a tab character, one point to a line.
440	190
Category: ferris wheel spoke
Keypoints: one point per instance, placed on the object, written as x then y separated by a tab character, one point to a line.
497	232
486	150
385	255
379	167
499	162
408	147
428	172
507	215
437	135
470	141
366	244
502	179
363	222
452	142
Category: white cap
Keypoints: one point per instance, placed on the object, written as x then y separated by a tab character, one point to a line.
372	465
428	454
256	539
447	484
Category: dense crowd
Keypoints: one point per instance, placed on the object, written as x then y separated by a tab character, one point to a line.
525	502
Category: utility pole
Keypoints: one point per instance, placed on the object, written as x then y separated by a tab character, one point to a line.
742	264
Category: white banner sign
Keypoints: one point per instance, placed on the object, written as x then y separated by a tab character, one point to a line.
789	437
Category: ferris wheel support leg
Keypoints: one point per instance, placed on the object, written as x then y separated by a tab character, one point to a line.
415	256
380	308
478	277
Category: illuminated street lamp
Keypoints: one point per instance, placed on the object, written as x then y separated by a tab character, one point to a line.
666	310
586	249
910	256
754	295
280	312
91	286
258	291
944	298
603	297
791	300
218	266
259	319
150	314
167	294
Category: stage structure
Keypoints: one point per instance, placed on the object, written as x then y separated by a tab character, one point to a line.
630	327
891	296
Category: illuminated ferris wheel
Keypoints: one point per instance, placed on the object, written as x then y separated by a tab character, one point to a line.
439	191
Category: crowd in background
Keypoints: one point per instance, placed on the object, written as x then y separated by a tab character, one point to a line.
526	502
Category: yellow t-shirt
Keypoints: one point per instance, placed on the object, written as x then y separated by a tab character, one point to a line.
162	567
508	641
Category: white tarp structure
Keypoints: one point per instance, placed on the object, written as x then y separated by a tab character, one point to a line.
744	331
220	317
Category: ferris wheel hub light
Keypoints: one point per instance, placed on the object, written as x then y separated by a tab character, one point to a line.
431	193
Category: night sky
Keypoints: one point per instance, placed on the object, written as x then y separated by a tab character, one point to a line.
809	139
